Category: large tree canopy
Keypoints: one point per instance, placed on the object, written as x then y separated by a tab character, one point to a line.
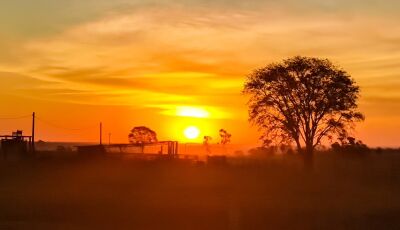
142	135
302	100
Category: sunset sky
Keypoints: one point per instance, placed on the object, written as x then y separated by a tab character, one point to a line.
169	65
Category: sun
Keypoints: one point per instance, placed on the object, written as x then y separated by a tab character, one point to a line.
191	132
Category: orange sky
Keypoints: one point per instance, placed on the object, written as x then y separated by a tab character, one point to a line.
131	63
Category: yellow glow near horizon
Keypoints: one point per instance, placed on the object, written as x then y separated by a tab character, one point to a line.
187	111
191	132
193	111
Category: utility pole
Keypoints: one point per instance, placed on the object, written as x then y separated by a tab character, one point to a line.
101	133
109	138
33	132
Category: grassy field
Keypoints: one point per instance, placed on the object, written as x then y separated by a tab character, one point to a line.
273	193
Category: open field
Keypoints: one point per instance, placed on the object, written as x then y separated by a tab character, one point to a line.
275	193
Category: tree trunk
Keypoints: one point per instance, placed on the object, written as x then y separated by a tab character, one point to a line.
308	157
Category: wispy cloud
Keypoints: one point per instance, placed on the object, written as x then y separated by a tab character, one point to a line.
168	55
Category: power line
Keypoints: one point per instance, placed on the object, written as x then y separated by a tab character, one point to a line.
64	128
15	118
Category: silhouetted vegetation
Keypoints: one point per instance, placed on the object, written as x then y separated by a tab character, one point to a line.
206	144
302	101
225	136
263	151
142	135
350	145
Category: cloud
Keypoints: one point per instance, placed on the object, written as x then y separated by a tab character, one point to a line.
175	54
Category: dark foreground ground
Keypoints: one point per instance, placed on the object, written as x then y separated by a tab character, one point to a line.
342	193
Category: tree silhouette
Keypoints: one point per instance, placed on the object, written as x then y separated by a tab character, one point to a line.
206	143
225	136
350	145
302	100
142	135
